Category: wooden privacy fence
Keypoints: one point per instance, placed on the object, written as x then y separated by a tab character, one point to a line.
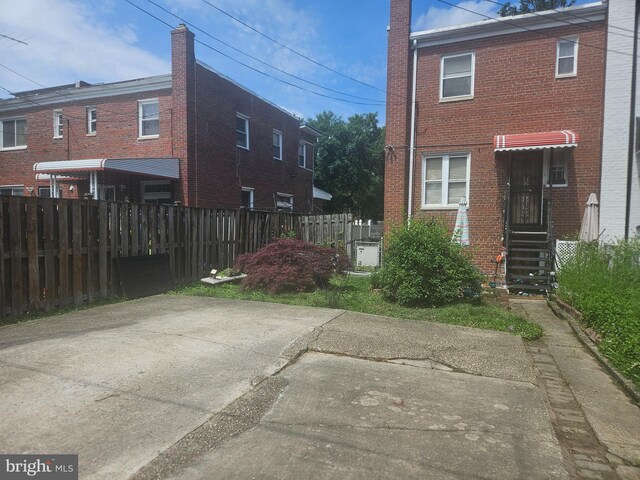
59	252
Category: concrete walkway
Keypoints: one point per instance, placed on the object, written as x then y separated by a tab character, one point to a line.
597	423
182	387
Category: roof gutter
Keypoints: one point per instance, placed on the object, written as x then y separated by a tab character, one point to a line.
413	128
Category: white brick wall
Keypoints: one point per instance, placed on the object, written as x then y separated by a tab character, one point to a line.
615	141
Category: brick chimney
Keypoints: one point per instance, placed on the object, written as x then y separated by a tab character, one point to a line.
183	64
398	113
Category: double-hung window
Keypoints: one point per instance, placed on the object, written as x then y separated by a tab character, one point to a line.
13	134
277	145
457	76
148	118
445	180
92	120
246	198
242	131
567	57
302	155
58	122
284	202
555	167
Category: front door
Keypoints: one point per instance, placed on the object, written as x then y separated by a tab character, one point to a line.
526	188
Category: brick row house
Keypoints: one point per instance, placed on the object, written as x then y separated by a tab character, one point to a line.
192	136
506	114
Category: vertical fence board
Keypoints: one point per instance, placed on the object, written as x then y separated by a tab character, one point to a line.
103	225
76	225
48	233
63	253
3	289
32	253
162	229
171	211
90	261
114	237
15	217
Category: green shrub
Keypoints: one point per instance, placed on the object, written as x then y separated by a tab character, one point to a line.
422	267
289	265
603	283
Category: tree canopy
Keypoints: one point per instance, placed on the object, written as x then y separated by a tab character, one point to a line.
350	163
529	6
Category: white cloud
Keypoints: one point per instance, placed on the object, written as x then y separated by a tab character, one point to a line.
70	42
438	17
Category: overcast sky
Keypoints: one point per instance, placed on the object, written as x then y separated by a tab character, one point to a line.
111	40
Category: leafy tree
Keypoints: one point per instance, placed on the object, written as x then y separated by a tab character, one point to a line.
350	163
529	6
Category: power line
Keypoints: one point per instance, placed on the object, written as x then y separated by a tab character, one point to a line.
585	20
13	39
379	104
291	49
540	32
258	60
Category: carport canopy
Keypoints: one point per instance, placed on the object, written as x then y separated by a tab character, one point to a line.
535	141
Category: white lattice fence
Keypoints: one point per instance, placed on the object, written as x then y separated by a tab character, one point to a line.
565	251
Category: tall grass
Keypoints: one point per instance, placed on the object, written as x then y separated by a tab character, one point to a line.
603	283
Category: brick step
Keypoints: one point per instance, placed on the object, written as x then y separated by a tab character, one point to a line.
526	249
513	241
529	259
530	278
528	267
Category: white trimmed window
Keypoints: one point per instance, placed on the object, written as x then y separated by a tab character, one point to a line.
44	192
457	76
13	134
567	57
247	198
92	120
445	180
12	190
302	155
284	202
555	172
277	145
148	118
156	191
242	131
58	120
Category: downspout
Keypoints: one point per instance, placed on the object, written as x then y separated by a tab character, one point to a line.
632	121
413	128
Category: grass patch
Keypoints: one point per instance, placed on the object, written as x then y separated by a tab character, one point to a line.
354	294
603	282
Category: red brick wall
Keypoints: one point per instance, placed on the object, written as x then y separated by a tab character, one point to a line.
116	136
223	168
515	92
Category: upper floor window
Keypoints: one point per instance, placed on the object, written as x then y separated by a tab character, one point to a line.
13	134
445	180
58	120
92	120
277	145
148	118
456	76
242	131
567	57
302	155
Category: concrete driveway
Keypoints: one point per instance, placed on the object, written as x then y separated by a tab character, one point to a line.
182	387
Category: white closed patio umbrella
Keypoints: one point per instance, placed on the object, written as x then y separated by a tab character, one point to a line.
461	230
589	228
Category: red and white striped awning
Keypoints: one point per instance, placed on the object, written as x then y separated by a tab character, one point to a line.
535	141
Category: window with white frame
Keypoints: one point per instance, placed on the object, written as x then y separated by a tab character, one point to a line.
456	76
277	145
12	190
567	57
242	131
156	191
148	118
445	180
13	134
302	155
555	167
246	199
58	120
92	120
284	202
